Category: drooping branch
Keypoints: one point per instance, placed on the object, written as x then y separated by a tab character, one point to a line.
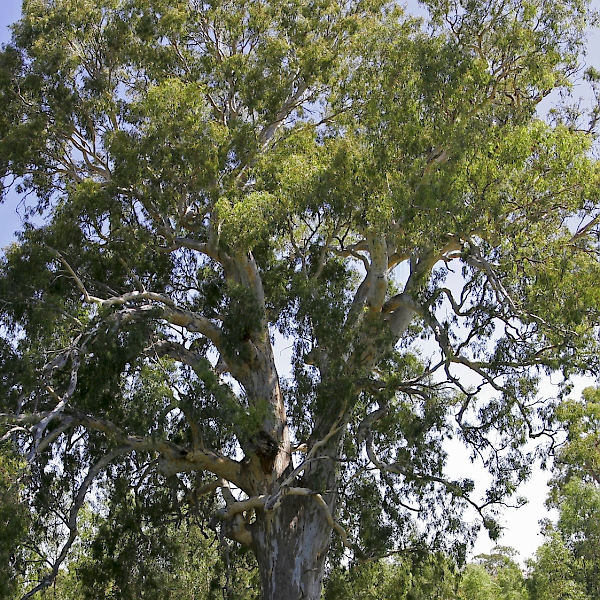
73	514
149	305
173	458
453	487
449	353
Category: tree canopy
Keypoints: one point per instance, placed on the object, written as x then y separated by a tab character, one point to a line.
371	190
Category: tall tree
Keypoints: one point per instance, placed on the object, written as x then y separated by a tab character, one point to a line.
496	575
374	190
553	572
575	488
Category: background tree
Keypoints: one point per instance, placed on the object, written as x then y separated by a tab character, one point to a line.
415	577
578	503
496	576
369	581
575	492
120	557
553	572
477	583
375	189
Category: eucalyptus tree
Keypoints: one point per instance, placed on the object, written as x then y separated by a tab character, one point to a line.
371	189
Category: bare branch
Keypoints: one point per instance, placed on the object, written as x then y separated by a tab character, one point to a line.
40	428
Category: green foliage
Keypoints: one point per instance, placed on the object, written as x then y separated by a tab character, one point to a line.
369	581
477	584
578	458
119	557
554	572
430	576
579	527
14	522
575	492
377	190
496	576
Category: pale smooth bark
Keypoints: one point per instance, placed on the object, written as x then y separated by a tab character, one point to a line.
291	545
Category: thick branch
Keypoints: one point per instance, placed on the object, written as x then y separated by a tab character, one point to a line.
203	248
40	428
175	315
174	459
189	320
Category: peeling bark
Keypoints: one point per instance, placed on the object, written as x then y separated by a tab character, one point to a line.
291	544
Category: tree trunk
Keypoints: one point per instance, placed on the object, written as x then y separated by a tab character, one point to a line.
291	544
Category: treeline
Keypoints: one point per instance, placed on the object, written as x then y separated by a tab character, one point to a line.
125	565
122	555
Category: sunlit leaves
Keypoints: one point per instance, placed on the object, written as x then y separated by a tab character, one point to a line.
374	187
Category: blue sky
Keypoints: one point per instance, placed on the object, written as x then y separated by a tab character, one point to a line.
9	218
